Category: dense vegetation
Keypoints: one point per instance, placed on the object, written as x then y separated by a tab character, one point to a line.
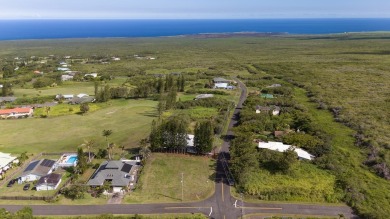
346	75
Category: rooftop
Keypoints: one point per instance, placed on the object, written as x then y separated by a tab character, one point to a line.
115	171
279	146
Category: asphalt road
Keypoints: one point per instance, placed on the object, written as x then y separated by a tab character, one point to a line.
220	206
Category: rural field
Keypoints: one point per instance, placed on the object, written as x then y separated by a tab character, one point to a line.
340	81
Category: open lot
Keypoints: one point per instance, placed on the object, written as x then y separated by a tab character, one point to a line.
161	179
128	119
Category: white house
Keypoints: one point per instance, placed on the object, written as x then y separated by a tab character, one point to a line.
6	161
203	96
82	95
66	77
279	146
63	69
221	85
36	169
94	75
16	112
64	96
49	182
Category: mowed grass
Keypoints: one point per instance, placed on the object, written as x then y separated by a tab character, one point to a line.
128	119
161	179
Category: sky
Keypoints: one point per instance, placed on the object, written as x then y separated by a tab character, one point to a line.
192	9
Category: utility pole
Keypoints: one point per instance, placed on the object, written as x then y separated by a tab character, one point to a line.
182	186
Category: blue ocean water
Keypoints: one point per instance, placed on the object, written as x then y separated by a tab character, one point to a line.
53	29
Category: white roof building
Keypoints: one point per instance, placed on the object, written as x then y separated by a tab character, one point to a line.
221	85
6	160
82	95
91	74
279	146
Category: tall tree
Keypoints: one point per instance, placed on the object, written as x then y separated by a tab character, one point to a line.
89	144
144	150
171	98
84	108
6	90
110	149
81	161
106	134
155	136
203	140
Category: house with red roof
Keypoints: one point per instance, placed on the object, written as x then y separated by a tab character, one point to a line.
16	112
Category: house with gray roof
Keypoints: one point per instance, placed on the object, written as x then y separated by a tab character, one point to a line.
36	169
275	109
118	173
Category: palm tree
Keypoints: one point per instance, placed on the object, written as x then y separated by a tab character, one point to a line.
107	133
89	144
144	149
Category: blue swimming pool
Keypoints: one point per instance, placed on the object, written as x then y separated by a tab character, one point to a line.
72	159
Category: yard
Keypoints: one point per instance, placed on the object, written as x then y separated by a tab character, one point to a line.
128	119
160	179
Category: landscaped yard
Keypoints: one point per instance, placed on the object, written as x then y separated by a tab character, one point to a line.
161	179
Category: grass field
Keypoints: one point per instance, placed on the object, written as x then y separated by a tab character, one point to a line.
128	119
161	179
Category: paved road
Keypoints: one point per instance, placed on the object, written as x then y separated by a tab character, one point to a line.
220	206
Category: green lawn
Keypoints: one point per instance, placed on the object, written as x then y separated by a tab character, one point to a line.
128	119
161	179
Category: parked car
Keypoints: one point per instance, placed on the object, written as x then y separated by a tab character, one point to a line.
11	182
26	187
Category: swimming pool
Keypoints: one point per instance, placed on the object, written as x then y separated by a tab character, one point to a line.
72	159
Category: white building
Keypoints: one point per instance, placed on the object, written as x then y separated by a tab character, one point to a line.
6	161
94	75
49	182
279	146
37	169
66	77
221	85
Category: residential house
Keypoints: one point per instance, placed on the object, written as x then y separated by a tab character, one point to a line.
275	109
220	80
16	112
6	161
80	100
63	69
118	174
221	85
64	96
66	77
48	182
37	169
203	96
93	75
280	147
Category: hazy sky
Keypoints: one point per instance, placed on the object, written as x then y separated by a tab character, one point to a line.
193	9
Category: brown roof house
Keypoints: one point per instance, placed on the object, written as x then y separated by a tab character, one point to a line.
37	169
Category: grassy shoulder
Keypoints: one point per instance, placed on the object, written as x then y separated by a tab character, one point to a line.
160	180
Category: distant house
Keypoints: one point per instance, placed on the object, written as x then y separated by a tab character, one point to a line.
94	75
63	69
203	96
80	100
66	77
6	161
267	96
82	95
16	112
117	173
38	72
36	169
279	146
221	85
116	58
48	182
64	96
275	85
275	109
220	80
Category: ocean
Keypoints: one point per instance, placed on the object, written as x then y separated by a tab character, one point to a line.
55	29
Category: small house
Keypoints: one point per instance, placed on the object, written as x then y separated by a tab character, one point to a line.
49	182
203	96
66	77
64	96
280	147
221	85
93	75
37	169
6	161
